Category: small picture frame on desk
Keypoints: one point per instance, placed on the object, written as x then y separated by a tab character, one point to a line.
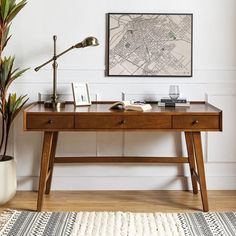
81	94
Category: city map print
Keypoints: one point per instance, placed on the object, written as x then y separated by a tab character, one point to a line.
149	45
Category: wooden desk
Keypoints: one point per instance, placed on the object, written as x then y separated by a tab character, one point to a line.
198	117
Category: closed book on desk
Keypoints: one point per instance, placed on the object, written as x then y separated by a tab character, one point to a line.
179	100
173	104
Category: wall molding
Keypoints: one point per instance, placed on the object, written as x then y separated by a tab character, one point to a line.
223	68
221	94
126	80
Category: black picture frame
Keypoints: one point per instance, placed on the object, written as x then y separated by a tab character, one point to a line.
149	45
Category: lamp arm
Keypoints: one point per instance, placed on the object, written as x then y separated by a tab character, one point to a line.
54	58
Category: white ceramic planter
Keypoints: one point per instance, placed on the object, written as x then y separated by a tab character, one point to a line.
7	180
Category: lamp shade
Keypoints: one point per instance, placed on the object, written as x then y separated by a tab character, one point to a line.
89	41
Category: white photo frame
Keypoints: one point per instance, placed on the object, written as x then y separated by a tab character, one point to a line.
81	94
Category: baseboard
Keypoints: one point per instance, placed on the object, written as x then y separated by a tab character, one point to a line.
127	183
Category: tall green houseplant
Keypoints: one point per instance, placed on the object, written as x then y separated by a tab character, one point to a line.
10	104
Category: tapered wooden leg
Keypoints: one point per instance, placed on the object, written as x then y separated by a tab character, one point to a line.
201	170
192	166
47	145
51	162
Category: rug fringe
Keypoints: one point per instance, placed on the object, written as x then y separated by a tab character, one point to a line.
5	216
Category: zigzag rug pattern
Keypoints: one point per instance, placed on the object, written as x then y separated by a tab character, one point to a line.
26	223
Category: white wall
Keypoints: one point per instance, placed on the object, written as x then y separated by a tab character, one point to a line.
214	79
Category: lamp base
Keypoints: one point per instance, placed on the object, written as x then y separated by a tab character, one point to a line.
54	104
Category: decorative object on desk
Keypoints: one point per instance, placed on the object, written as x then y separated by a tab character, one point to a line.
55	102
132	106
81	94
174	92
122	223
149	44
10	104
173	100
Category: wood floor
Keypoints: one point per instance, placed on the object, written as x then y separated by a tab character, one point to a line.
133	201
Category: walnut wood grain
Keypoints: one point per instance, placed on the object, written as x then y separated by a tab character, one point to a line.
200	108
147	122
124	159
51	162
196	122
50	122
170	201
200	116
191	160
201	169
98	122
47	145
140	121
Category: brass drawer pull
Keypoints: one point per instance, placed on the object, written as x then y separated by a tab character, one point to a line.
195	122
50	121
123	122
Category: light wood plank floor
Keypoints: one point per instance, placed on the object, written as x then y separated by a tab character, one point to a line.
134	201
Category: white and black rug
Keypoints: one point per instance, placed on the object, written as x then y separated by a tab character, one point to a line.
25	223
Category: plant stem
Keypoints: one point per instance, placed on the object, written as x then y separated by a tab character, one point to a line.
6	141
3	133
1	44
2	29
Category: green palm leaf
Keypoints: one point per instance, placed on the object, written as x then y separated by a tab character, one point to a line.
9	106
14	76
5	38
12	3
5	70
5	5
13	106
15	10
5	34
7	74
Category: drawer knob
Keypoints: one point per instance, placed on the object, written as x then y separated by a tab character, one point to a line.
123	122
195	122
50	121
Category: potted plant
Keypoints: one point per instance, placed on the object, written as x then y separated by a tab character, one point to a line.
10	104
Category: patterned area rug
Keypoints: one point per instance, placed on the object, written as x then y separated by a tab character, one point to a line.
25	223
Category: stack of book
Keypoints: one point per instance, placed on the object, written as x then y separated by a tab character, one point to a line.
168	102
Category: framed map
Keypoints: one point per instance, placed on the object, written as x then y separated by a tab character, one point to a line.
149	45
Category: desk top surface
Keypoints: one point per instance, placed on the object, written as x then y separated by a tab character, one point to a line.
101	108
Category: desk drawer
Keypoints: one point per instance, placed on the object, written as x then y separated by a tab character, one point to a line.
98	122
147	122
123	122
48	122
196	122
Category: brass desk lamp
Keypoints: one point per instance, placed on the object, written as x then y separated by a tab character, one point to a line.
54	102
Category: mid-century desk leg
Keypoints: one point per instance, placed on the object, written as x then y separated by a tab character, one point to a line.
192	166
47	145
201	170
51	162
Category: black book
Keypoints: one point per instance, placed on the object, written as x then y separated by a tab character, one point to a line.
169	100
